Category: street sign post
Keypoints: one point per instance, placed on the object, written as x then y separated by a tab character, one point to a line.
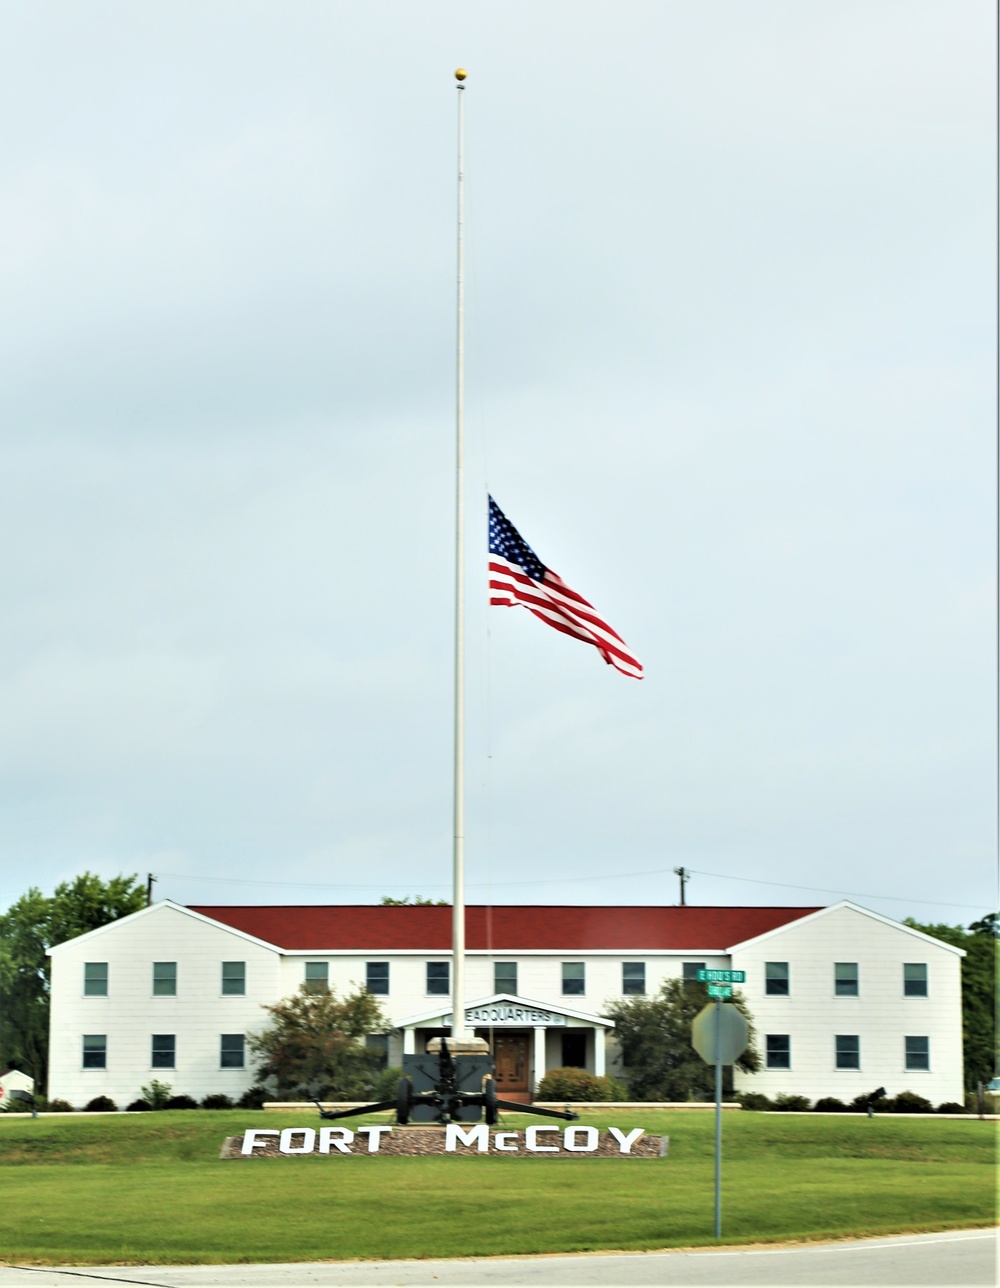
719	1034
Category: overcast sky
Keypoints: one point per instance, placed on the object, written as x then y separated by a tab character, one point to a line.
731	371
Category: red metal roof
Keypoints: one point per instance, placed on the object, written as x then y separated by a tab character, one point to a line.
520	928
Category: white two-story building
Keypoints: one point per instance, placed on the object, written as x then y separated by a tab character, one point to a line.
843	999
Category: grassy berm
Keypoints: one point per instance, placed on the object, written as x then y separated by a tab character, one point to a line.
150	1188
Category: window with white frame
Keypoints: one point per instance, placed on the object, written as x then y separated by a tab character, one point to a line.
234	979
690	971
377	978
232	1051
164	979
779	1050
634	978
95	1051
574	979
777	980
505	977
918	1053
847	1051
439	978
163	1051
845	979
914	979
95	979
317	977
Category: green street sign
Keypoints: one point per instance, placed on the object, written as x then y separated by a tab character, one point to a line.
720	990
722	976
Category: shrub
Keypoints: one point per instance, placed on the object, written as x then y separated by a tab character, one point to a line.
755	1101
859	1105
908	1102
829	1105
156	1094
386	1083
101	1105
181	1102
578	1084
217	1102
138	1107
792	1104
950	1107
617	1090
58	1106
253	1098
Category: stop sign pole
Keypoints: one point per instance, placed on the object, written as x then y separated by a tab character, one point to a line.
719	1035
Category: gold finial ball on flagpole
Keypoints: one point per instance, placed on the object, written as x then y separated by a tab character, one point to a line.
461	74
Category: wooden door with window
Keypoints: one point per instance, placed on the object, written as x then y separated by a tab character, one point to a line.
510	1059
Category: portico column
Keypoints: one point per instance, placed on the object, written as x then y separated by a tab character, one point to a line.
599	1052
539	1056
409	1041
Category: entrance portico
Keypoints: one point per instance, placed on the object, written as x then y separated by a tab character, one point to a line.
520	1032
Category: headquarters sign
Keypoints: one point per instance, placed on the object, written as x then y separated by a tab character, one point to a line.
501	1013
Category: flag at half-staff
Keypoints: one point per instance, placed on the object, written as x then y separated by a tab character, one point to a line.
518	577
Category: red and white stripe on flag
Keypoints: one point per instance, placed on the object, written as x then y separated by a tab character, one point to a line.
558	606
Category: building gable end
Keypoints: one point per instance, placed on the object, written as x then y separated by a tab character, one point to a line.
156	907
839	907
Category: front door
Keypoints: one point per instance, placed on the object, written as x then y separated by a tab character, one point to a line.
510	1059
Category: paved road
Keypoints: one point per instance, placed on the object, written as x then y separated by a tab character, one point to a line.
953	1260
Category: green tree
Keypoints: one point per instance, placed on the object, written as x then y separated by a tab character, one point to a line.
654	1034
980	1052
418	901
315	1044
30	926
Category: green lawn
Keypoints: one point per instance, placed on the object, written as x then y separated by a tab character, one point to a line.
150	1188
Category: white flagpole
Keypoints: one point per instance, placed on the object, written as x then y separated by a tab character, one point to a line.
458	896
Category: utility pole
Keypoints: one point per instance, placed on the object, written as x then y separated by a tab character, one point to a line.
683	873
150	879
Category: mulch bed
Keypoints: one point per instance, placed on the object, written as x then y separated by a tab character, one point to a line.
420	1141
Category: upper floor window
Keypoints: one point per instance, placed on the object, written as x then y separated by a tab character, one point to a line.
574	980
377	978
634	978
918	1053
845	979
232	1051
234	979
848	1051
317	976
505	977
95	1051
914	979
779	1051
164	979
690	971
95	979
163	1051
776	979
439	977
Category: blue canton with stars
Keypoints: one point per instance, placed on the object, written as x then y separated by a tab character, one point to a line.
506	541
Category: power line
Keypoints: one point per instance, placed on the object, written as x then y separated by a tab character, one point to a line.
616	876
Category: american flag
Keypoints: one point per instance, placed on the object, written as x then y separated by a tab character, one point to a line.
518	576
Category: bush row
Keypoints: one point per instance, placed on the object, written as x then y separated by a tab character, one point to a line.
907	1102
252	1099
